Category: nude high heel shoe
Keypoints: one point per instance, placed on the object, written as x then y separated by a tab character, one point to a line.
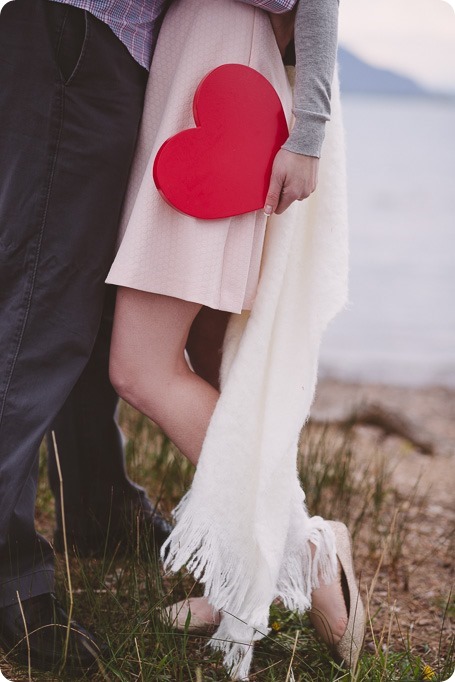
203	618
348	649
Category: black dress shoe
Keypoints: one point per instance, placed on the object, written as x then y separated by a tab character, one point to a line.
44	640
135	527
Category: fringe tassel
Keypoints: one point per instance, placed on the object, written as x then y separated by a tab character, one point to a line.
235	640
231	583
235	589
304	571
230	586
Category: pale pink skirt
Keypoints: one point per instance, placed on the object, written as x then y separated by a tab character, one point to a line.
215	262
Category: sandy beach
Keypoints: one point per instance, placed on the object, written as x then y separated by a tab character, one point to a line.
411	599
430	410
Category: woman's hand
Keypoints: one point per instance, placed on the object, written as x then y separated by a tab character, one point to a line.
294	177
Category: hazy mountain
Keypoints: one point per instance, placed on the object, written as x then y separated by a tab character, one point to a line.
359	77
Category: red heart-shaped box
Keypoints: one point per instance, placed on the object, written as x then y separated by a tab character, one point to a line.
222	167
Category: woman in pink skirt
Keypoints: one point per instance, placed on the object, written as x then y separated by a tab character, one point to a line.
243	528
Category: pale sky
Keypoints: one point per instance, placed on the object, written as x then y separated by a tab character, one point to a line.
415	37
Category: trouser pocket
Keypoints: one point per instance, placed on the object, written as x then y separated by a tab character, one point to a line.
69	28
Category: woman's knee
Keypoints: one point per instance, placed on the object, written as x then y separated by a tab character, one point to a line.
141	381
134	379
123	373
147	349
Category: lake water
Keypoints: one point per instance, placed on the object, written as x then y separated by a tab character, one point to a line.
400	324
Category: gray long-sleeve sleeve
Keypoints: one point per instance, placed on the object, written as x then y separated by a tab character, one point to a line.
316	36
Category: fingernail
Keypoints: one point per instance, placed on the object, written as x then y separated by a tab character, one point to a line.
268	210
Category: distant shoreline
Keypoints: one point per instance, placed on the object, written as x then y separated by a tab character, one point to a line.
359	76
431	408
426	96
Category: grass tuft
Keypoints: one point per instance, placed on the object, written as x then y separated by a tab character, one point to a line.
120	598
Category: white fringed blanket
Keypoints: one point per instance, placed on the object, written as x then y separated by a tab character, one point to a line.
243	527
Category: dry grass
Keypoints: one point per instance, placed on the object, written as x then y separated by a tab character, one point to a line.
404	562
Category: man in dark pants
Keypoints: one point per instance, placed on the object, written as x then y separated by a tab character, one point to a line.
71	97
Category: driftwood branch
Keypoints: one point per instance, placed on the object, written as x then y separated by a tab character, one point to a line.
390	423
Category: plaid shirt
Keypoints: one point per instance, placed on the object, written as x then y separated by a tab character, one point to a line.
137	22
274	6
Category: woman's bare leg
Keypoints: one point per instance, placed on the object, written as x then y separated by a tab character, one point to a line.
148	368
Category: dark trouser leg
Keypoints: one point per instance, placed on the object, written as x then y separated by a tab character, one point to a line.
68	125
97	490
